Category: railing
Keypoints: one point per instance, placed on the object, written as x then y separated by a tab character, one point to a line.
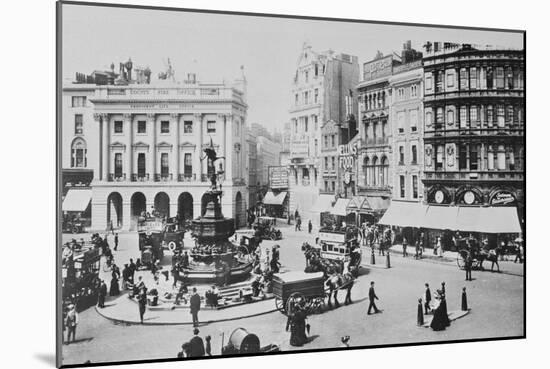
378	141
329	173
117	177
136	177
367	188
187	177
477	175
518	93
205	178
495	131
163	177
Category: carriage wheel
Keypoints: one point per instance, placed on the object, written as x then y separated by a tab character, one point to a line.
273	236
279	304
292	300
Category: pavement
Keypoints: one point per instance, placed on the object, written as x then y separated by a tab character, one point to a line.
496	302
125	310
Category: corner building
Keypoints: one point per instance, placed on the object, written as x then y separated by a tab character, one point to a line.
474	122
321	84
149	146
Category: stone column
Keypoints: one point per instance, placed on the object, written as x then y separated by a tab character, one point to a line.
223	149
174	117
152	126
98	120
126	214
129	141
106	135
228	138
198	153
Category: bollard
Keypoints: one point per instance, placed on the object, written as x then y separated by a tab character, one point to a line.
372	259
420	314
464	300
388	265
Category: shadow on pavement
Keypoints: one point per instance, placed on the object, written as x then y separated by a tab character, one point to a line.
46	358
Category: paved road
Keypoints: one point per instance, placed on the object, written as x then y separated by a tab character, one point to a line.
496	301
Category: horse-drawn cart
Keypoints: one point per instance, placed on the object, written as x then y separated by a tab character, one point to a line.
470	249
293	287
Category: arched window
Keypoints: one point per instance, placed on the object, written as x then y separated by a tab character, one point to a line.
374	171
78	153
366	168
384	166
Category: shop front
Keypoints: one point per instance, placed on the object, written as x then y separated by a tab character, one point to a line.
276	204
493	223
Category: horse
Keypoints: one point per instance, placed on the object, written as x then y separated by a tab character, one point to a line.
491	255
336	281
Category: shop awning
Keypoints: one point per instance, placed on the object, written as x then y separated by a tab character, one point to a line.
496	219
356	203
469	219
340	207
323	203
404	214
441	217
271	199
375	203
77	199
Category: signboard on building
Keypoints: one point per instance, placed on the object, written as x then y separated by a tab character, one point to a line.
278	177
299	148
377	68
503	198
347	155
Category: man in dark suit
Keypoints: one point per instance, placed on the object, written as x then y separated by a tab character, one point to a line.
116	241
101	295
196	345
195	306
372	297
468	267
427	299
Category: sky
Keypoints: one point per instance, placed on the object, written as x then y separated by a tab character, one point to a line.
215	46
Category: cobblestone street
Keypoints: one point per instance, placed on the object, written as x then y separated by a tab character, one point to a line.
496	300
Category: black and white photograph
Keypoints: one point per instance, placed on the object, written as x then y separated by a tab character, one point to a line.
251	184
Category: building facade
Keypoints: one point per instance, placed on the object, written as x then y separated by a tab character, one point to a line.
145	145
252	166
375	180
268	153
321	84
406	113
474	122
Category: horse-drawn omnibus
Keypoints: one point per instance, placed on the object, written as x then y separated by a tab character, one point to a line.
80	274
340	246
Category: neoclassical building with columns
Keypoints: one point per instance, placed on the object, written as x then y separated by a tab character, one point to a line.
145	142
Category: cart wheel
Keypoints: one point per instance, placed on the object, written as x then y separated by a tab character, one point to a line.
293	299
279	304
75	230
273	236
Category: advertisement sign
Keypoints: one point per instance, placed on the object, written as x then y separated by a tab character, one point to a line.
332	237
278	177
347	154
299	148
378	68
503	198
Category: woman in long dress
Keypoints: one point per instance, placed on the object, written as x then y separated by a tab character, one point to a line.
443	305
298	327
440	318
